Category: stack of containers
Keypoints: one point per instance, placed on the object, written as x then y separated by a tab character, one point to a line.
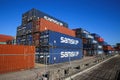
118	45
107	49
35	21
58	47
35	14
89	44
117	48
99	45
21	35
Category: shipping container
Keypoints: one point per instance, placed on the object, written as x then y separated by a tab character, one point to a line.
89	53
90	36
15	58
79	36
118	44
86	46
19	31
29	39
18	40
95	35
52	38
26	29
29	27
107	52
89	41
34	14
60	55
4	38
107	47
80	31
94	42
84	35
84	40
100	39
36	39
86	32
23	30
103	43
48	25
94	46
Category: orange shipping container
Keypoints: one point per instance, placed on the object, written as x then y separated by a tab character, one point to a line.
42	25
14	58
4	38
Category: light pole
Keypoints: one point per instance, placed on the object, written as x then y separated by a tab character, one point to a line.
70	65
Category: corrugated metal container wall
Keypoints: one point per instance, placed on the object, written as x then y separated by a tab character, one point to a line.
23	30
4	38
23	40
60	55
14	58
18	40
47	25
84	35
59	40
19	29
29	39
29	27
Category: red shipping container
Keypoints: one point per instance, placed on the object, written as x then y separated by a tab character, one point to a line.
100	39
107	47
42	25
4	38
14	58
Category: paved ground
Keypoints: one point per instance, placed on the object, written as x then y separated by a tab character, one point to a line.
39	69
106	71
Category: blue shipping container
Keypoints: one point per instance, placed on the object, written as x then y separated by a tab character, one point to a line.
29	27
60	55
60	40
29	40
95	35
18	40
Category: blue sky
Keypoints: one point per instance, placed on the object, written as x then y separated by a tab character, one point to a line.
96	16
